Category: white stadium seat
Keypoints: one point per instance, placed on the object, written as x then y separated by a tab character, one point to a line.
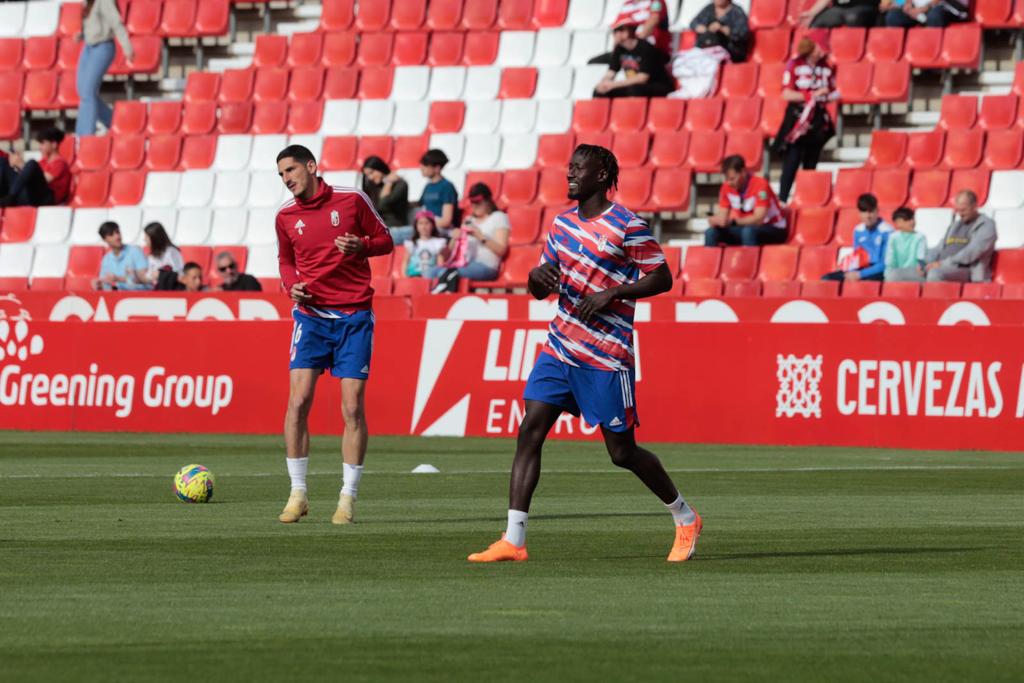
457	176
411	83
340	117
314	142
516	48
85	226
611	11
586	79
688	10
552	48
53	223
1004	190
231	189
228	226
193	226
266	190
1009	228
376	117
585	15
129	219
161	188
482	152
196	189
411	118
262	261
41	18
416	182
447	83
519	151
482	83
588	44
518	116
452	144
342	178
12	19
482	116
16	259
233	152
554	116
554	82
260	229
166	216
265	149
933	223
51	260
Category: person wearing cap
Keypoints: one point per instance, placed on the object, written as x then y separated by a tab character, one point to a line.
651	19
424	251
809	85
476	249
837	13
643	66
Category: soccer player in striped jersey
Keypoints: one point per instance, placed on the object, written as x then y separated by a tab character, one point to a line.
325	236
599	257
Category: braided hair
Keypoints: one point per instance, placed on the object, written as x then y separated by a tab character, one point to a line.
605	158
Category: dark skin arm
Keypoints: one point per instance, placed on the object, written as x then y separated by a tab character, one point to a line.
656	282
543	281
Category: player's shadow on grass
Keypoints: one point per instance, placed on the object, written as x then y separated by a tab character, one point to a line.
851	552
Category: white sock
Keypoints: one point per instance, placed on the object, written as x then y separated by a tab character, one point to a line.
350	475
515	533
297	471
682	513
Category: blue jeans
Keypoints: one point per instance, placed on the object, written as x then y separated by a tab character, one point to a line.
92	65
937	17
470	271
401	235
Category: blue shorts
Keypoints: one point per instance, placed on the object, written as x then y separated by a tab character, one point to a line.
342	345
604	397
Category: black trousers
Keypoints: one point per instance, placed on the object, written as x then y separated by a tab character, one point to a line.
639	90
27	188
834	17
805	152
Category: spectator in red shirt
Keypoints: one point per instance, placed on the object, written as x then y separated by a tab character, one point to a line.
748	213
36	183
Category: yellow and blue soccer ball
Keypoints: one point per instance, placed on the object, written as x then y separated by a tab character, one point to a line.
194	484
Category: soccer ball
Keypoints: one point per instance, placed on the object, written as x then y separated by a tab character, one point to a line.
194	484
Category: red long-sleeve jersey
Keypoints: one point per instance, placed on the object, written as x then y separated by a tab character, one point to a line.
306	231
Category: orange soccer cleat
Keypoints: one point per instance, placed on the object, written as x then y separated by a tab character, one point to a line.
686	540
500	551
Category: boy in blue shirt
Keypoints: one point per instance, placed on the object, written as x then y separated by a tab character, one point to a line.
867	262
124	266
439	196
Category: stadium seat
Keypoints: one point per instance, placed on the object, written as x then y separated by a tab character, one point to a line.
923	48
408	15
482	116
85	225
819	289
739	80
339	49
742	288
890	187
197	151
847	220
891	81
237	117
337	15
1013	291
901	290
144	17
850	184
271	84
553	116
40	90
701	263
128	152
444	15
307	83
305	118
525	222
68	53
993	13
924	150
126	187
18	224
10	120
479	15
178	18
815	261
445	49
518	264
778	263
769	81
854	80
964	148
1004	190
375	83
91	189
492	179
998	112
555	150
11	86
704	115
980	290
961	46
481	48
93	153
674	260
11	50
198	118
782	289
271	51
703	288
164	153
552	48
341	83
665	115
888	149
813	188
976	180
518	82
411	118
742	114
375	49
376	117
631	148
933	223
773	110
372	17
929	188
766	14
848	44
1008	267
515	15
233	152
516	48
519	187
67	90
671	189
814	225
411	286
861	289
669	149
748	144
628	114
410	49
706	151
958	112
129	118
635	186
408	150
446	117
940	290
739	263
40	53
306	50
236	85
591	116
165	118
771	46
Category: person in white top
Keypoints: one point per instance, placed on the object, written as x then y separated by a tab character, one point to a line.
164	257
478	247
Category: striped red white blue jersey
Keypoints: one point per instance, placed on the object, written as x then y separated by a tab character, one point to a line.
613	249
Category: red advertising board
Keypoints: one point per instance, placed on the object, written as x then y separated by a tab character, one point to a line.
948	387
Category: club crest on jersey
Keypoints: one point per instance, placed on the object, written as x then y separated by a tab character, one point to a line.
299	225
335	219
602	244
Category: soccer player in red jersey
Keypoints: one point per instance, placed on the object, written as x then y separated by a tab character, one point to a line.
325	235
599	257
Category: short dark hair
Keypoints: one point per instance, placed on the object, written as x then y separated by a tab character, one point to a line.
108	228
434	157
192	265
734	163
971	196
867	202
375	163
298	152
51	134
904	213
604	157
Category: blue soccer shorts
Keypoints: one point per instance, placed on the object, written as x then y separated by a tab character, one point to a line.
342	345
604	397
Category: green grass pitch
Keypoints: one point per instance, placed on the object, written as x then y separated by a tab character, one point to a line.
815	564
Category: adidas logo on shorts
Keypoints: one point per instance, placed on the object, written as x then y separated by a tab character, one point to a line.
616	422
365	370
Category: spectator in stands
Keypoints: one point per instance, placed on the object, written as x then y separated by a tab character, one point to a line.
905	254
389	194
101	23
191	278
932	13
425	251
439	196
867	261
124	266
476	249
748	213
808	84
965	253
165	262
643	64
725	24
36	183
235	281
836	13
651	19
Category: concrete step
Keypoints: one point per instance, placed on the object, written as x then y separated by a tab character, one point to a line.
288	28
222	63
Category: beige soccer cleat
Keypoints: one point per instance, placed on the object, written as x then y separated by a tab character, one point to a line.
345	514
296	508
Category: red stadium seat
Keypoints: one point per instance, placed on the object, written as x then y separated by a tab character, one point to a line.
179	18
83	267
815	262
91	189
19	223
771	46
518	82
492	179
127	187
447	117
375	82
372	17
128	152
68	53
739	263
929	188
767	13
519	187
67	90
409	149
69	25
411	286
236	117
901	290
674	260
848	44
144	17
1004	149
12	84
958	112
518	264
704	114
888	149
339	49
861	289
1014	291
670	149
202	86
307	83
200	118
924	150
481	48
375	49
924	47
743	287
940	290
993	13
891	82
40	90
164	118
268	118
271	85
819	289
408	15
739	80
410	49
628	114
964	148
198	151
10	120
339	153
788	289
961	46
553	188
773	111
742	114
891	186
305	118
197	254
702	263
769	82
341	83
814	225
591	116
703	288
444	15
398	256
337	15
382	146
980	290
885	45
306	50
631	148
813	188
148	56
634	186
665	115
974	179
237	85
550	13
850	184
446	49
129	117
555	150
998	112
748	144
671	189
515	15
479	15
706	151
164	153
778	263
854	80
525	222
40	53
271	51
1018	80
10	53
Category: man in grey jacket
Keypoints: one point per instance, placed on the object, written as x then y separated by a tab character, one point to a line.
965	253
